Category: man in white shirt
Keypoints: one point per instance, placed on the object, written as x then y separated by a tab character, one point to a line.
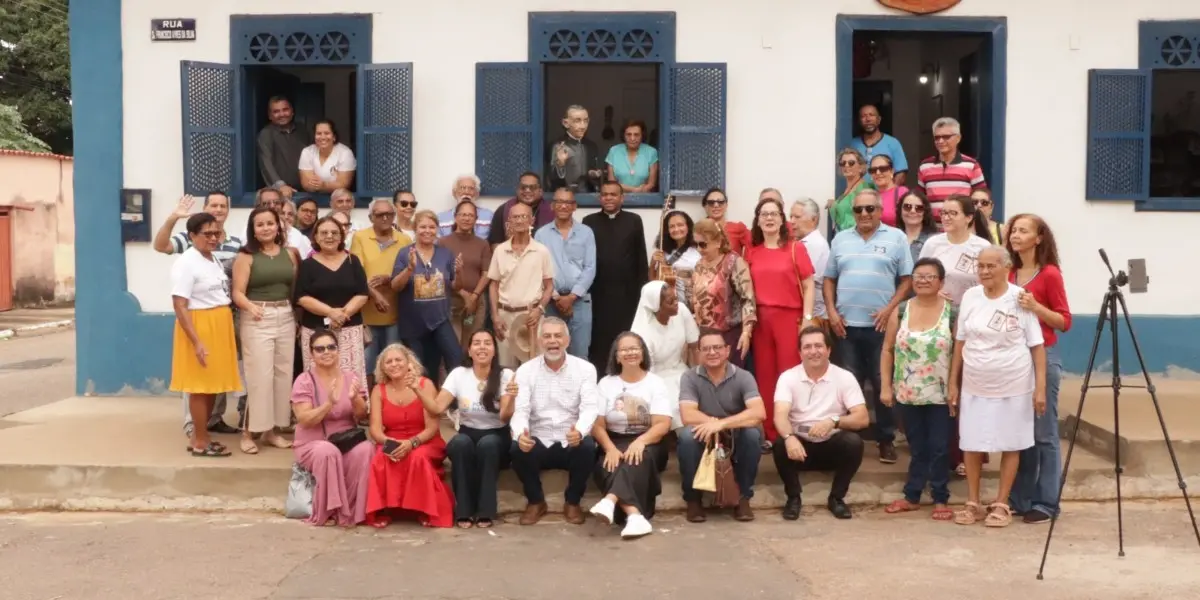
821	406
342	201
466	189
557	402
805	218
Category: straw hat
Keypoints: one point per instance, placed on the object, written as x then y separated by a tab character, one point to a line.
520	332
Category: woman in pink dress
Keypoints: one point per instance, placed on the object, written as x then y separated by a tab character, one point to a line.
327	400
406	472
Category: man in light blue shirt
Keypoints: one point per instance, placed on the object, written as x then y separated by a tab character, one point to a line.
466	187
874	142
868	274
573	247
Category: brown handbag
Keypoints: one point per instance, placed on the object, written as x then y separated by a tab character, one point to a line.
728	493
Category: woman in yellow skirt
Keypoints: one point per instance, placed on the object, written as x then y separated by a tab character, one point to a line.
204	356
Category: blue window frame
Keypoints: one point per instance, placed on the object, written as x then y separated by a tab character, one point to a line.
509	104
219	103
1120	117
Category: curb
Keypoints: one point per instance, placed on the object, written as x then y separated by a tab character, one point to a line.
10	333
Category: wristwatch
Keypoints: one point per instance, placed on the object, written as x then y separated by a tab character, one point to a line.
808	317
836	421
416	441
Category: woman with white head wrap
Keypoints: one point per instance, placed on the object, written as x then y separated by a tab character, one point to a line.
670	333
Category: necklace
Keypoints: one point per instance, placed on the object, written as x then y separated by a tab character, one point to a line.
480	384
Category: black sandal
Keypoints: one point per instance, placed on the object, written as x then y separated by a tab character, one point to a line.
465	523
214	444
483	523
213	450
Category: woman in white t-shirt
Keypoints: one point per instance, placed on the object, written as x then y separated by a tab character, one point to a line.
678	251
481	395
999	353
671	335
204	352
965	235
634	415
326	165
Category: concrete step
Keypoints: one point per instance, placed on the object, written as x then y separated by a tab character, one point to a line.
101	453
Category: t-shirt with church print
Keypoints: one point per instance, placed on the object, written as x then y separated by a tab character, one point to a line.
627	408
425	302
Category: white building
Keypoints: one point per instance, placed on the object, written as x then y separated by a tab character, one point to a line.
1082	112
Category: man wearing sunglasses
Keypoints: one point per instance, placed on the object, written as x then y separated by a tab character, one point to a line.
949	172
869	272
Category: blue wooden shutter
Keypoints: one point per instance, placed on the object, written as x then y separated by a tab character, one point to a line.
504	125
696	138
211	128
385	136
1118	153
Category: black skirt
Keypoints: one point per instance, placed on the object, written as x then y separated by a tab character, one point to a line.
636	485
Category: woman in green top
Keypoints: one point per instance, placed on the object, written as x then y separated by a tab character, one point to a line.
915	369
854	168
263	274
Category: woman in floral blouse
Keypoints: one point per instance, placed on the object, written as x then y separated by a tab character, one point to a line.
914	369
722	293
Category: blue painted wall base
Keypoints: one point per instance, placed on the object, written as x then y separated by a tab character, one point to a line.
1166	341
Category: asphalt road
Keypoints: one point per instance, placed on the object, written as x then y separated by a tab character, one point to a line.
36	370
115	556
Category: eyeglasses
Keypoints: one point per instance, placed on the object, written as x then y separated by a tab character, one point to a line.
629	351
407	204
324	348
529	187
212	235
881	169
847	163
771	213
383	215
712	348
983	202
702	245
950	213
714	202
943	138
914	208
925	277
869	209
519	217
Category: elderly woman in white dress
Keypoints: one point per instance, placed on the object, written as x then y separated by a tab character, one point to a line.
999	353
671	335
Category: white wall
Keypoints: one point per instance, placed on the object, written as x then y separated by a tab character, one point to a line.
781	73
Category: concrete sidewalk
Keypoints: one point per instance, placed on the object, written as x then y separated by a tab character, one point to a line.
23	321
105	453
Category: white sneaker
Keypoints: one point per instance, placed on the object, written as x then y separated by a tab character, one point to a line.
636	526
604	510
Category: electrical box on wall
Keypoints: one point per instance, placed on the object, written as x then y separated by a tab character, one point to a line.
135	215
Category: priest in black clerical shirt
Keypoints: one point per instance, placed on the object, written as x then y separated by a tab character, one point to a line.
575	161
621	270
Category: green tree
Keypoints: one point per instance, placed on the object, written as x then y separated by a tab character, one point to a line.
35	68
14	136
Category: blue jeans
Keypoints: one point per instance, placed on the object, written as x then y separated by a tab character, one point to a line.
747	450
928	431
579	326
436	347
381	337
1036	485
860	355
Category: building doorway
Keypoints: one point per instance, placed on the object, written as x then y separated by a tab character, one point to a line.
918	69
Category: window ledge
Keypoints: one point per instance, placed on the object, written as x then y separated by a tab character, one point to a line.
651	200
246	200
1168	205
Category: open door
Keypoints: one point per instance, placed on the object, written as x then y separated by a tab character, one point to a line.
968	105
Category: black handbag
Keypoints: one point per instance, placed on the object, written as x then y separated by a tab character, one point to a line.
344	441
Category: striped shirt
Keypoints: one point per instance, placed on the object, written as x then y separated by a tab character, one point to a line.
939	180
866	271
225	253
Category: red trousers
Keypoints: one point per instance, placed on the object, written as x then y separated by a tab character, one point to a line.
776	349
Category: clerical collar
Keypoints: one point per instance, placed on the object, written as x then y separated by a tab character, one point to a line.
578	139
612	215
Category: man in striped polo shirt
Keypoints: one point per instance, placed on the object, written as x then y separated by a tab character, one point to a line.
949	172
868	274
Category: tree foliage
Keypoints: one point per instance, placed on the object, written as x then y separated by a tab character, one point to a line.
35	69
14	136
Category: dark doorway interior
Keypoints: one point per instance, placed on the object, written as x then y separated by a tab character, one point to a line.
612	94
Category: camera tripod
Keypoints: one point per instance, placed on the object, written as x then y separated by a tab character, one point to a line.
1108	314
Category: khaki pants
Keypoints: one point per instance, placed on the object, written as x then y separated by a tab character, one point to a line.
511	356
268	349
457	315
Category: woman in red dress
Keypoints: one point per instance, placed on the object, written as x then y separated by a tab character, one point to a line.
406	471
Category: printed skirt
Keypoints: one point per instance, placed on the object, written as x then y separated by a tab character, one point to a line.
351	356
219	373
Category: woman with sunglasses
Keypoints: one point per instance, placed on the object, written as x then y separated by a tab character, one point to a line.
327	399
722	291
983	202
916	220
853	167
204	355
716	204
331	287
406	207
883	175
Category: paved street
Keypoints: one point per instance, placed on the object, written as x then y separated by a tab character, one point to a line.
36	370
114	556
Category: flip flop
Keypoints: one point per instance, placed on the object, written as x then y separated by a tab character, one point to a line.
901	506
942	514
211	451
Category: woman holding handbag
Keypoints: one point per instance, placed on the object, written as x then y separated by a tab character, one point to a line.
784	292
329	444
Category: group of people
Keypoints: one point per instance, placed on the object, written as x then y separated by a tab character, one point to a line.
546	353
